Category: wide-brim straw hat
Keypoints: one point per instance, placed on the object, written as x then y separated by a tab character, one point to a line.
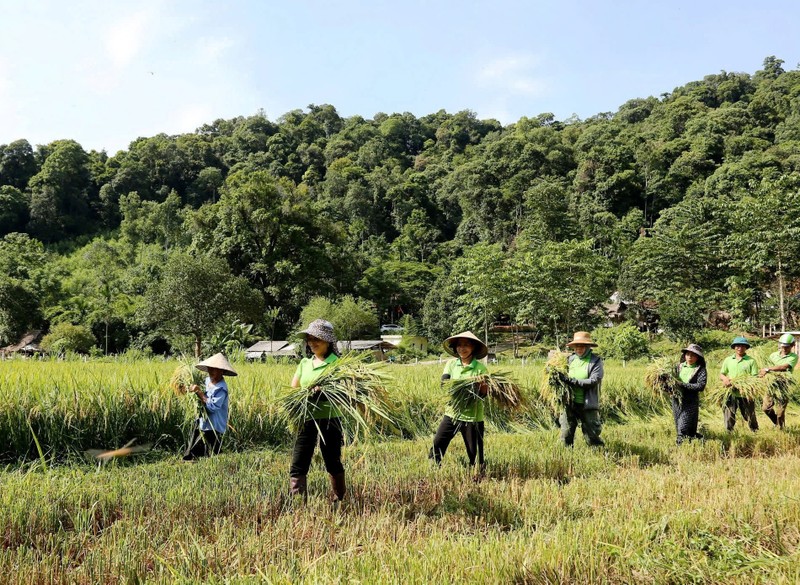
481	350
695	349
582	338
321	329
218	361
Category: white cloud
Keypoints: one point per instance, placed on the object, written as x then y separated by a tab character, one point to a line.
126	37
210	50
513	74
188	118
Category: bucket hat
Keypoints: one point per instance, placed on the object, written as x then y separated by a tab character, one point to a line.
480	351
695	349
582	338
739	340
218	361
321	329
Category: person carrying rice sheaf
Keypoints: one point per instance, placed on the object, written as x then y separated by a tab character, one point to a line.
209	428
736	366
468	420
325	424
784	360
686	406
585	376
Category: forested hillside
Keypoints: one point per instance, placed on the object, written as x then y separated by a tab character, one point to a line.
688	204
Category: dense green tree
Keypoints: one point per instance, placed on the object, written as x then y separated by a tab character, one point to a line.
197	295
557	286
60	205
17	164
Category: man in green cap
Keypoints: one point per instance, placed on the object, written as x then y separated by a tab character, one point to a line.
734	366
784	360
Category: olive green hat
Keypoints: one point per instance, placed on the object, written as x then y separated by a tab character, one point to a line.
739	340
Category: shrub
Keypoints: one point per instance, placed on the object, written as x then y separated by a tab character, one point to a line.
624	342
66	337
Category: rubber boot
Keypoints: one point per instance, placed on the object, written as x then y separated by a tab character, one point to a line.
338	487
297	486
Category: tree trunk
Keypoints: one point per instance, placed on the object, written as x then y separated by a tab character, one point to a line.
198	345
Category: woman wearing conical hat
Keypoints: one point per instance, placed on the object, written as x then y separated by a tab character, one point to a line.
211	426
585	376
467	350
693	376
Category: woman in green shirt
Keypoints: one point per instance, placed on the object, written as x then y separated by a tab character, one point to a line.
467	349
325	423
585	376
693	376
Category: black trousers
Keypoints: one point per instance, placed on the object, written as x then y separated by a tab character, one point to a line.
686	412
330	445
471	432
202	443
747	408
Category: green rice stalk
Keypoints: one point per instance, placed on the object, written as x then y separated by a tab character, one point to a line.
503	395
780	386
355	388
553	388
661	377
750	387
183	377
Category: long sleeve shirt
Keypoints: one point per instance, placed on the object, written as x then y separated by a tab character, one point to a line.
216	406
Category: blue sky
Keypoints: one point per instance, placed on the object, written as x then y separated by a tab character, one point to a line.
106	72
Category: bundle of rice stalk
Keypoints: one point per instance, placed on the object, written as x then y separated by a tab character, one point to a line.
750	387
184	376
352	386
661	377
780	386
553	387
504	392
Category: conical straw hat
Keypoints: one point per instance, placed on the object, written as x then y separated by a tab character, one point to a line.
480	352
218	361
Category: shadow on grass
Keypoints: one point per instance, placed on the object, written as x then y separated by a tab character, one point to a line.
646	455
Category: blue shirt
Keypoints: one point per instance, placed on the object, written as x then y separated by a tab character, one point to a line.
216	407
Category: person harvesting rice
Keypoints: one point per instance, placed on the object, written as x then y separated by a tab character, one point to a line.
686	405
738	366
784	360
211	425
325	423
584	377
468	419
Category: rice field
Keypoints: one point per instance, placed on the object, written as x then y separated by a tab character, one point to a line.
642	510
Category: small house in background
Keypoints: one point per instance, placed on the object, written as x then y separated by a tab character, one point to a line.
273	349
415	342
28	345
378	347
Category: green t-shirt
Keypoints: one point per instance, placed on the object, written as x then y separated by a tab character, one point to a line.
776	359
458	371
307	374
686	372
733	368
579	369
